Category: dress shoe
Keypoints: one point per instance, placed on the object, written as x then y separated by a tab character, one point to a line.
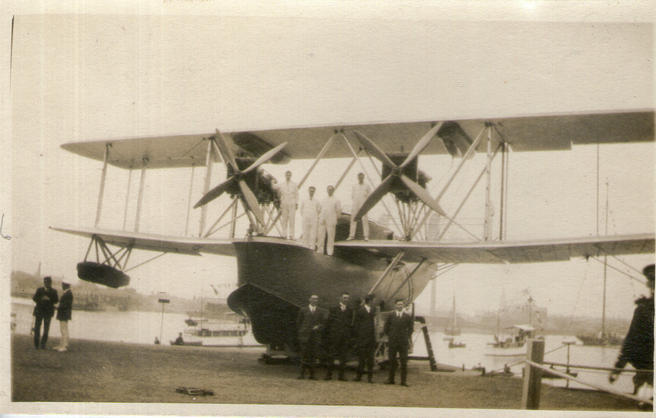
342	379
404	384
312	378
389	382
357	379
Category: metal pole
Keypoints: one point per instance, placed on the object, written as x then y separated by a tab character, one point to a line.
567	370
389	268
488	183
127	198
597	205
161	326
603	302
191	184
319	156
233	222
101	192
503	181
206	186
141	193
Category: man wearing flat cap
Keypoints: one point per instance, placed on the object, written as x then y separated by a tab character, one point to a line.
638	346
64	315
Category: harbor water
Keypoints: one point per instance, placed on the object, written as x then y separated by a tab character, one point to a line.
143	327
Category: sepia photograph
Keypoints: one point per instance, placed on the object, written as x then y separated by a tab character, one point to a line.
329	208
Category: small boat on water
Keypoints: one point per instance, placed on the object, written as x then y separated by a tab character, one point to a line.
217	333
453	344
513	344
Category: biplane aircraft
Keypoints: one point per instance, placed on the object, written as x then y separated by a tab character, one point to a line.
276	276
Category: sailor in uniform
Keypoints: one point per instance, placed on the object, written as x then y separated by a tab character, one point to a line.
359	194
288	192
310	209
331	208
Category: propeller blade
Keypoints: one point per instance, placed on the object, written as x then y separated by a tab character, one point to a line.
251	201
423	195
374	197
423	143
214	193
265	157
374	150
226	152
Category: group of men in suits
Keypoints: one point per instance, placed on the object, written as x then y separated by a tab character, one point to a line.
333	333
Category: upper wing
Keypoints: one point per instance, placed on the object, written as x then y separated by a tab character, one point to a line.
512	251
154	242
530	133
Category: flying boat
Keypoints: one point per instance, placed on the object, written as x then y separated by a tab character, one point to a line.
276	276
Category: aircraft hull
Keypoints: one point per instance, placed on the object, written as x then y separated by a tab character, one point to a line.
277	278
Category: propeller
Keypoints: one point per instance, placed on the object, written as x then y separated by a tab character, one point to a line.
247	195
396	171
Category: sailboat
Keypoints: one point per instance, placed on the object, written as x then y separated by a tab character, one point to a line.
452	329
602	338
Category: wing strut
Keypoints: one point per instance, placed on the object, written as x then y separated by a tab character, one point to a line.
395	261
421	262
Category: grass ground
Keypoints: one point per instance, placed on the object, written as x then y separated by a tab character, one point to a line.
115	372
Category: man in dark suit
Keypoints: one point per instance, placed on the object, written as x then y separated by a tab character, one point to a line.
340	327
364	328
310	322
45	298
398	328
638	346
64	313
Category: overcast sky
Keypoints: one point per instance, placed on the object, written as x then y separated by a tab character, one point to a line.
78	78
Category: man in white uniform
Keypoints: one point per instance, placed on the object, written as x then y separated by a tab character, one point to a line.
310	209
359	194
331	208
288	192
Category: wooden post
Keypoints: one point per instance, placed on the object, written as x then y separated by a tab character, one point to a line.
532	375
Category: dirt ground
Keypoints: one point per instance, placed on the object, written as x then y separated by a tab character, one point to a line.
115	372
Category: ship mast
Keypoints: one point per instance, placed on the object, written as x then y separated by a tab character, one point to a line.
603	303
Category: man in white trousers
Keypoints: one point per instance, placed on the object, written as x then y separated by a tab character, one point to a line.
331	208
359	194
288	192
310	209
64	315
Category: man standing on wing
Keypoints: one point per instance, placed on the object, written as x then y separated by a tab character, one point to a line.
364	327
398	328
359	194
288	192
331	208
310	209
310	323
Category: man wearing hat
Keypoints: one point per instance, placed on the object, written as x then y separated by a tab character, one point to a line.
45	298
638	347
64	315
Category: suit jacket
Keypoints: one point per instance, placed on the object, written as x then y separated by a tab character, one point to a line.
306	321
45	302
65	308
398	330
364	326
340	323
638	346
